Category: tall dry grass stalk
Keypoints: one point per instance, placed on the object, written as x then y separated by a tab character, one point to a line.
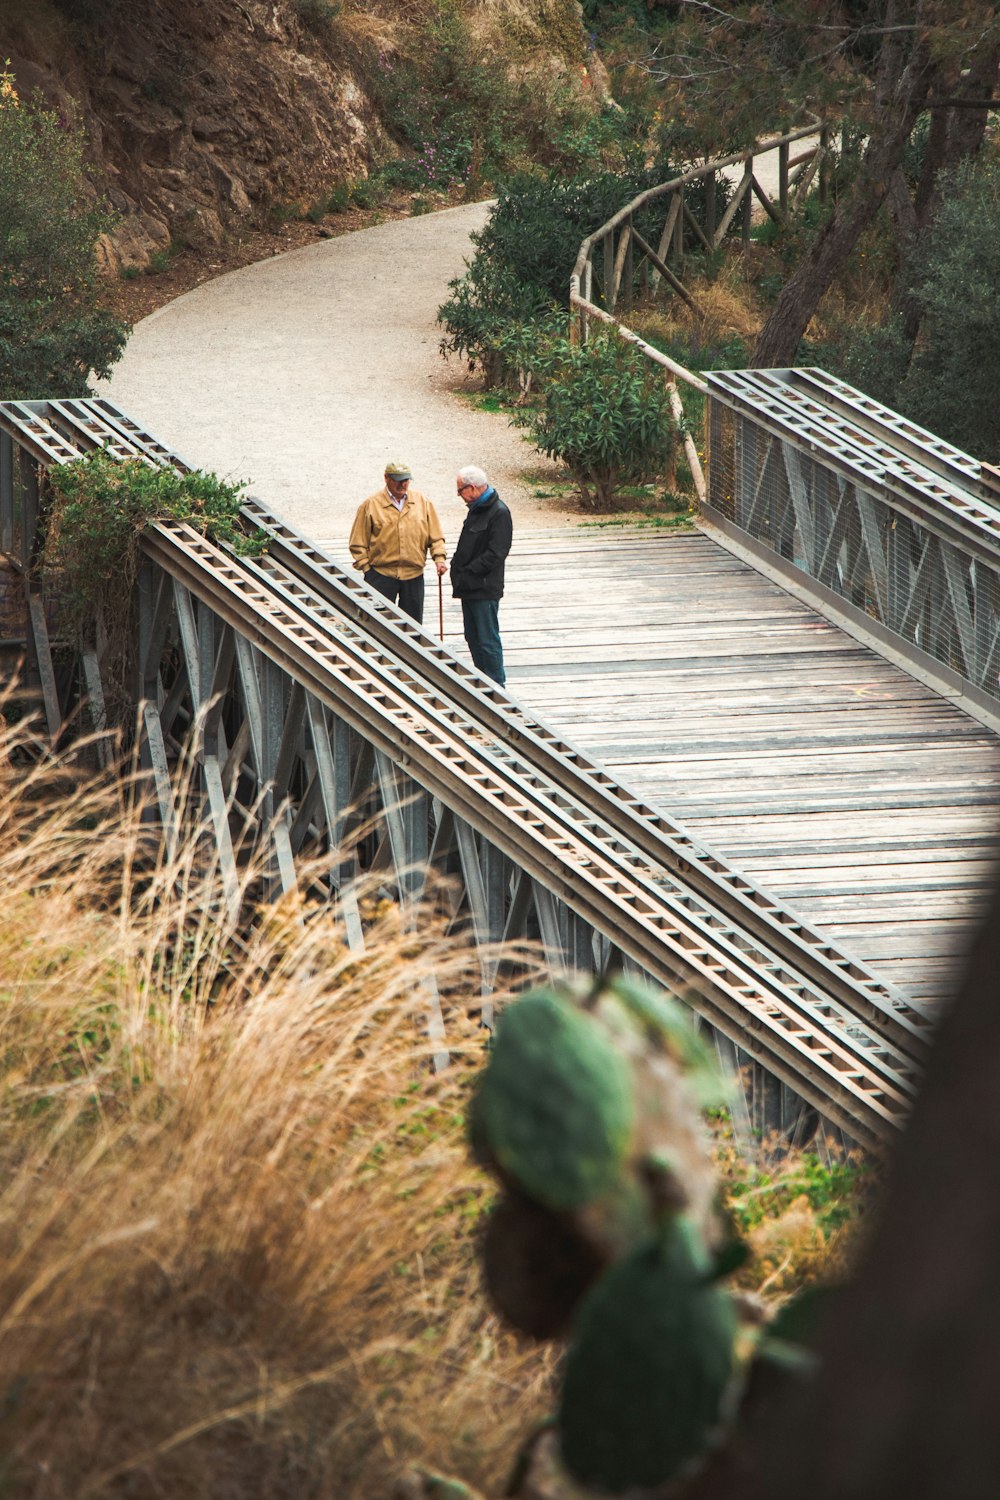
236	1215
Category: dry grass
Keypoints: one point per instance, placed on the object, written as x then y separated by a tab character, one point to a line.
365	31
237	1215
238	1219
728	307
731	304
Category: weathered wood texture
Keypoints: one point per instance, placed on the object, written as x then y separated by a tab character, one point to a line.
854	793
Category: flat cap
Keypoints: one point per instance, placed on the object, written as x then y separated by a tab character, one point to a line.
398	471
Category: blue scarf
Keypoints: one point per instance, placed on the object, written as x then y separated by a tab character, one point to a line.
483	499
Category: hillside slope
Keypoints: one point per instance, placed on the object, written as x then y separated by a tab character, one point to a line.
204	114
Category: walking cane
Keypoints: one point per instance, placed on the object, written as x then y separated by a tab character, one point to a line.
441	605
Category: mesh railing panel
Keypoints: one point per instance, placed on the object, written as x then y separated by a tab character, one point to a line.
18	480
862	545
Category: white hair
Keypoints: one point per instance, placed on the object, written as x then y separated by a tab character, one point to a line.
474	476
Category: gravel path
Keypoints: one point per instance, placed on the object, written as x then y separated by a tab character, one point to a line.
307	373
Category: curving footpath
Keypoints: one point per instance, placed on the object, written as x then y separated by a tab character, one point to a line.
306	373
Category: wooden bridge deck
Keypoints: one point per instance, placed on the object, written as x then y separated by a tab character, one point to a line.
854	793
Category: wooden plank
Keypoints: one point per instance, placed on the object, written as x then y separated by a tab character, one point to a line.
850	790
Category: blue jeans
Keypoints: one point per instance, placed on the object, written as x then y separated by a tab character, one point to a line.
482	632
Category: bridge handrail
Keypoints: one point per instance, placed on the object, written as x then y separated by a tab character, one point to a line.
865	1085
655	832
265	620
883	526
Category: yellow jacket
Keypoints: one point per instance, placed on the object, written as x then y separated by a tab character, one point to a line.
396	542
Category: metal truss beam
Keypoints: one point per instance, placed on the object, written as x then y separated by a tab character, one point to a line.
324	722
889	517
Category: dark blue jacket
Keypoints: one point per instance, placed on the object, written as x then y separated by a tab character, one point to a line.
477	564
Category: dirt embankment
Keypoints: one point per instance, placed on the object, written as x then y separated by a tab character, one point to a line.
200	115
208	118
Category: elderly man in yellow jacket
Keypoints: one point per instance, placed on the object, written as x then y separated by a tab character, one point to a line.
392	534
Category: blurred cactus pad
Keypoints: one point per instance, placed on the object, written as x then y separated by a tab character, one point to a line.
590	1114
649	1367
556	1102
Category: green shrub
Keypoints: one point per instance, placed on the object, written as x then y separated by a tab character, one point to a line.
96	510
874	357
604	413
370	191
538	223
339	198
488	305
524	255
793	239
951	383
280	213
99	507
53	330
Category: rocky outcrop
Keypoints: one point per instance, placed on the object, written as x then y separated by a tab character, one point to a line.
197	113
200	114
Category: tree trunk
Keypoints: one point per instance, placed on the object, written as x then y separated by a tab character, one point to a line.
904	77
935	151
967	126
956	131
782	333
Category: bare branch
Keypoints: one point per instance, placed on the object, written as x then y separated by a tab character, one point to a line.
790	23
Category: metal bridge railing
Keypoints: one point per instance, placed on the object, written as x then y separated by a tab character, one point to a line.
310	710
890	526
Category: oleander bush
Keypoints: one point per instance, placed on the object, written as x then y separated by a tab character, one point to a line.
519	274
97	509
604	411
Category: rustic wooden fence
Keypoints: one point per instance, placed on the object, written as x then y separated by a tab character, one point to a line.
618	260
620	257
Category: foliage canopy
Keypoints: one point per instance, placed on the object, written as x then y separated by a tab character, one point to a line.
952	380
99	509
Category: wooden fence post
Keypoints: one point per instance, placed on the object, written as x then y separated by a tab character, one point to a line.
783	179
824	164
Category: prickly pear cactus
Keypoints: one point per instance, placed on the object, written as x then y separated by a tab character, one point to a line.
537	1265
589	1112
649	1366
555	1104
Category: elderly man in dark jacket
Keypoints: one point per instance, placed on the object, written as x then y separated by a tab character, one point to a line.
477	568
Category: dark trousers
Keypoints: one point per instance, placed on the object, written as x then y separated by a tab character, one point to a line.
408	593
482	632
